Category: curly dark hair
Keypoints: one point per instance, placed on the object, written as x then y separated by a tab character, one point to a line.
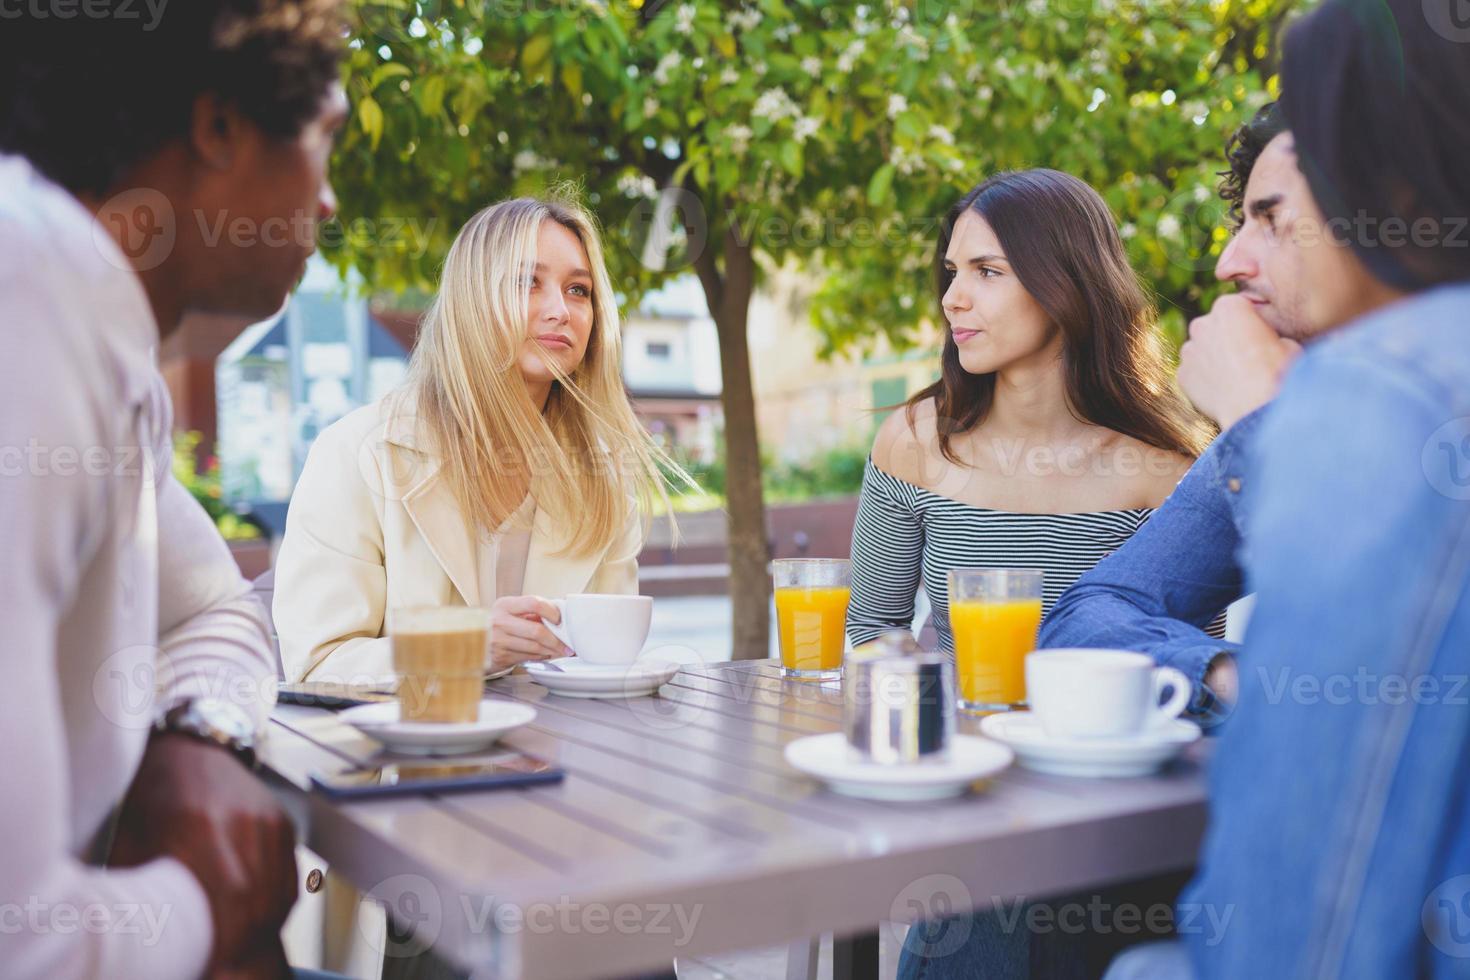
1244	149
88	97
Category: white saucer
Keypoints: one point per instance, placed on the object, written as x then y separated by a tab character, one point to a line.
1129	755
579	679
829	758
380	722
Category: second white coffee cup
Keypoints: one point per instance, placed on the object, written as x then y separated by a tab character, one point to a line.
1080	693
604	629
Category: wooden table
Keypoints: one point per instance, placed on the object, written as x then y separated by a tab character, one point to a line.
681	831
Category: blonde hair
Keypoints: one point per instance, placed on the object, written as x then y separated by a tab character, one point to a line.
587	454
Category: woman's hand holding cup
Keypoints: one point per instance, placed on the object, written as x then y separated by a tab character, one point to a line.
518	633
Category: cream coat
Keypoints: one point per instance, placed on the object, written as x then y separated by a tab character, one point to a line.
372	527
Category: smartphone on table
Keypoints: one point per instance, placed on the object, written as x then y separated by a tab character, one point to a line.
419	776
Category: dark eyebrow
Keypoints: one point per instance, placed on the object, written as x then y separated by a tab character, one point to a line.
1263	205
980	260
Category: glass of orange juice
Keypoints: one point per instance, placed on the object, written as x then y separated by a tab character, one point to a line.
811	608
994	614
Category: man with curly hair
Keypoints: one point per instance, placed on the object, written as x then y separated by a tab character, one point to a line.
149	166
1158	592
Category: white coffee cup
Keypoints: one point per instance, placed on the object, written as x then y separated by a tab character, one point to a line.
1080	693
604	629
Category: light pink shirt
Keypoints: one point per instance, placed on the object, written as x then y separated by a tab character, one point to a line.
117	597
502	555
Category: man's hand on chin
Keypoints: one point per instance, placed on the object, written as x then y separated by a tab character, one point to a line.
197	803
1233	362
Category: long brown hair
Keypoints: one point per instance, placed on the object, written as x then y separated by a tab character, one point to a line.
1061	241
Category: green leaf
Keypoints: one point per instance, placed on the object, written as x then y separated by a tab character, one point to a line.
790	156
370	117
571	77
880	185
430	95
909	126
536	54
391	69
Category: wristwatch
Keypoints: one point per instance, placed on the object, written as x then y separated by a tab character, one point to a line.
215	721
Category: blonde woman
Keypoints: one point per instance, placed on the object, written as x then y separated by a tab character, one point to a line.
509	468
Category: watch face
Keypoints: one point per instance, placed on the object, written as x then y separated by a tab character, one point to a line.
230	719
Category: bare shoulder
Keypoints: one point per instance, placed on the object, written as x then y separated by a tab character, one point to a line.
901	446
1153	472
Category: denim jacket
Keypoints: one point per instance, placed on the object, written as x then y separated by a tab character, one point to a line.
1339	839
1157	592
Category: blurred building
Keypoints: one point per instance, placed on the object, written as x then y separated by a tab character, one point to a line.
671	365
284	380
805	405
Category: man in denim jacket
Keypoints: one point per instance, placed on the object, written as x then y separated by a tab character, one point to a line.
1339	841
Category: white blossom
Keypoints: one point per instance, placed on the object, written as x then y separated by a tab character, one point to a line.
784	32
666	64
939	133
739	137
896	105
1169	226
905	162
684	19
729	76
773	104
1128	230
806	126
1201	195
650	106
744	19
811	65
637	185
849	57
985	93
914	39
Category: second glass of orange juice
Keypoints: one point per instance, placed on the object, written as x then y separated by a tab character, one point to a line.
812	595
994	614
